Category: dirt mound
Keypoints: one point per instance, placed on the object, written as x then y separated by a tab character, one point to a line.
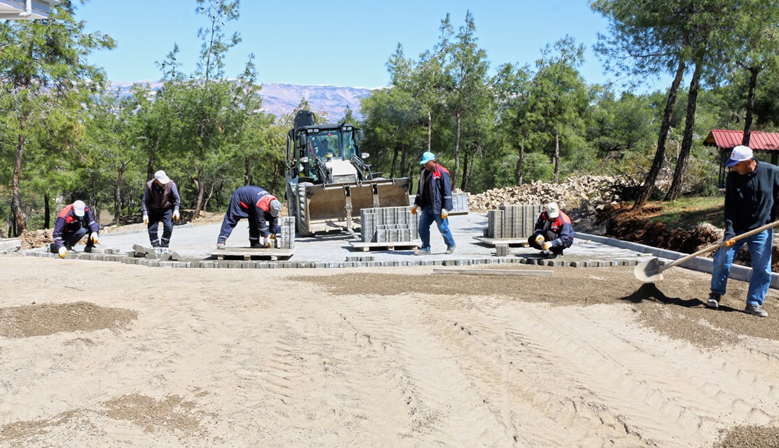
50	318
36	238
637	225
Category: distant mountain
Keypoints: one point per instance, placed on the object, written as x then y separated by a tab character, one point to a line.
280	99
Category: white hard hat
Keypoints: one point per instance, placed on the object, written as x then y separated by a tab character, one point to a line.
552	210
162	177
79	207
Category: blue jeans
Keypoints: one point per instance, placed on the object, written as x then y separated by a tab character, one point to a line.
760	249
426	219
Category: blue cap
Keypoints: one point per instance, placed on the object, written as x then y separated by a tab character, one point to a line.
426	157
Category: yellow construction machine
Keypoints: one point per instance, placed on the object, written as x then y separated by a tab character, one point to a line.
328	180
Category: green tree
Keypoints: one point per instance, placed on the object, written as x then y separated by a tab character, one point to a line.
43	65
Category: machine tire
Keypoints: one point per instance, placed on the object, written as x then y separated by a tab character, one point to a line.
300	210
292	202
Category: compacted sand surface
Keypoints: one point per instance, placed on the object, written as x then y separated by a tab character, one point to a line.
99	354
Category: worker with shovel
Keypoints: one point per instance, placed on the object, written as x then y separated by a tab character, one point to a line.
553	232
751	189
260	208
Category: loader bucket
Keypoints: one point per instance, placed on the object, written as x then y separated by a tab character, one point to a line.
326	207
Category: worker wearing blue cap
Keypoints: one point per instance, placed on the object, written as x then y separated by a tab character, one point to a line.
433	201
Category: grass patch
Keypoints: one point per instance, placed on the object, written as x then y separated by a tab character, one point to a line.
687	213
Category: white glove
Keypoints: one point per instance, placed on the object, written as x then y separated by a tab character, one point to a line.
93	237
540	239
62	251
415	210
547	245
444	213
146	219
266	241
176	215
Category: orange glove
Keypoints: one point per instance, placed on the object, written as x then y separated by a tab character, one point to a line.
540	240
414	210
444	213
547	245
730	242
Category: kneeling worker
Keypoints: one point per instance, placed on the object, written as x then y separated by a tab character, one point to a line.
553	231
260	208
73	222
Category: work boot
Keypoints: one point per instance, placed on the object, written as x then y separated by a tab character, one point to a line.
88	248
220	245
450	249
755	310
713	301
422	252
256	245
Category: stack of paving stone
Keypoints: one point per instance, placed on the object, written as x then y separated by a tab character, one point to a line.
512	222
388	225
459	204
287	238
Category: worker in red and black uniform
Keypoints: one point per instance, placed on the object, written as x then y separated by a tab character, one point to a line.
73	222
260	208
553	232
160	202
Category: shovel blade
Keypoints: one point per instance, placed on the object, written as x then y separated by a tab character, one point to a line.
649	271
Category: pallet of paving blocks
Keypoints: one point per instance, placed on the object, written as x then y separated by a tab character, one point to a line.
390	228
511	224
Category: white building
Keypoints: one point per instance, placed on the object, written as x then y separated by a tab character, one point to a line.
26	9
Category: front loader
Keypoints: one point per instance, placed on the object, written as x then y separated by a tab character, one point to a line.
328	180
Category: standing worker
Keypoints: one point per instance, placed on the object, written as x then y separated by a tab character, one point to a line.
258	206
160	202
750	192
73	222
434	199
553	232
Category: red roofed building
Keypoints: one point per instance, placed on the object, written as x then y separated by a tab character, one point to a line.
764	144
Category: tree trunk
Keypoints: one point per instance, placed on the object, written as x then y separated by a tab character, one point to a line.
46	210
456	169
200	192
275	177
118	194
556	157
429	131
466	165
520	162
689	127
16	196
665	127
150	168
750	106
394	162
247	172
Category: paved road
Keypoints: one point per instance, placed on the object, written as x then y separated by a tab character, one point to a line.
198	241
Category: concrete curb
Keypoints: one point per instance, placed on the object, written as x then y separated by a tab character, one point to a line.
700	264
10	244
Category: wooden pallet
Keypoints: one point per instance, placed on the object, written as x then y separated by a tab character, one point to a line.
246	253
492	242
397	245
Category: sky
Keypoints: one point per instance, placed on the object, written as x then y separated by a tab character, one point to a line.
345	43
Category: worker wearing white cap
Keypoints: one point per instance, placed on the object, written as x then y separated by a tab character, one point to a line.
553	231
72	223
161	202
751	189
260	208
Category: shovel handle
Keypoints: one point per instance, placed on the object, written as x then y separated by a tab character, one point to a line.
720	244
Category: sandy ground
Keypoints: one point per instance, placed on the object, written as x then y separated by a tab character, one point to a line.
99	354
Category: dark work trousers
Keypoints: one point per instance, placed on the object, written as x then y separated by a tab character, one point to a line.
231	220
69	239
155	216
548	236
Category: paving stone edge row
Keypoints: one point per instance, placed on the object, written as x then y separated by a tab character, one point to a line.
700	264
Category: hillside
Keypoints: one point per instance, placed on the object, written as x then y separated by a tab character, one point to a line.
280	99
